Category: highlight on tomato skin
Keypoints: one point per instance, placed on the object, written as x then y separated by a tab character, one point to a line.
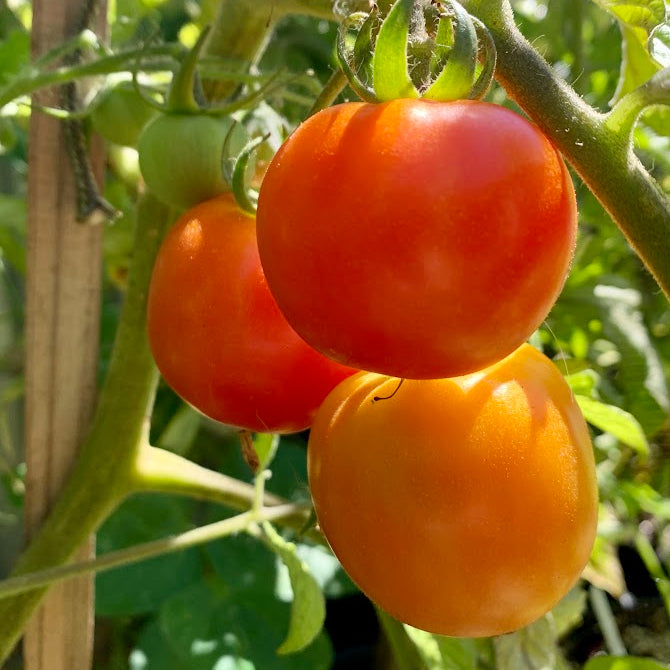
217	335
416	238
466	507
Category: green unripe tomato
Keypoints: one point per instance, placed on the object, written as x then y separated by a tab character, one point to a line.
120	113
180	157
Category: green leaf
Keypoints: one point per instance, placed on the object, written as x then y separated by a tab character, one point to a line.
644	14
637	19
265	445
458	74
14	53
583	382
390	76
458	653
181	431
637	64
215	625
326	569
532	648
569	612
623	663
615	421
641	373
143	586
308	611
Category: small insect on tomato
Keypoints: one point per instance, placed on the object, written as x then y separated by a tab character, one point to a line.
466	507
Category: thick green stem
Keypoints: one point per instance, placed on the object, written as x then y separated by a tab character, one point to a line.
242	30
603	158
103	473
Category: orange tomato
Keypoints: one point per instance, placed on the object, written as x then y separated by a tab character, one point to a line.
216	333
465	506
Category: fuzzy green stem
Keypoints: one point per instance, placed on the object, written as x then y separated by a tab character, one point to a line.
336	83
102	475
181	98
603	158
141	552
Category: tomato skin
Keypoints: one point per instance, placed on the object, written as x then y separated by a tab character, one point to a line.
216	333
466	506
180	157
120	113
416	238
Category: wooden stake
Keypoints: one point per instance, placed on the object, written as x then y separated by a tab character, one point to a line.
62	332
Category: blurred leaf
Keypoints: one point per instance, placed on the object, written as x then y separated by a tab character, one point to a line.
604	569
583	383
458	653
326	569
14	53
211	626
623	663
647	499
142	587
12	230
641	374
615	421
308	610
637	64
644	14
181	431
637	19
569	612
532	648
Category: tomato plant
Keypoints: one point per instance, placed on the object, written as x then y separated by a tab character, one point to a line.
464	506
416	238
216	333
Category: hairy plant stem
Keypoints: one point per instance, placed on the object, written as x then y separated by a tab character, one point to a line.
103	473
603	158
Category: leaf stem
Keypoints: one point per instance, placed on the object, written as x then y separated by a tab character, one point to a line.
27	83
608	627
141	552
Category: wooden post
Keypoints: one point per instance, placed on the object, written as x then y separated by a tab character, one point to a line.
62	328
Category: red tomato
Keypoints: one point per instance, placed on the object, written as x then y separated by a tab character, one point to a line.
216	333
465	506
416	238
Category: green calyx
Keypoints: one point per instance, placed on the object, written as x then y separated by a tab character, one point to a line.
419	48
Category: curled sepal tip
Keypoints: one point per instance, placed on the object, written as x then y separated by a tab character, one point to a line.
419	48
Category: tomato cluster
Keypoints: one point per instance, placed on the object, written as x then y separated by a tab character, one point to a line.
422	243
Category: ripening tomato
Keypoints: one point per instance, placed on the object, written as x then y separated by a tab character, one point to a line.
416	238
464	506
216	333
